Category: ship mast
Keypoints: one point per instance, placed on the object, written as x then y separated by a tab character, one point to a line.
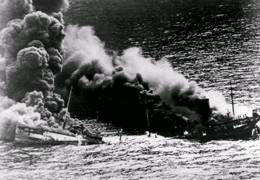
232	99
67	107
147	112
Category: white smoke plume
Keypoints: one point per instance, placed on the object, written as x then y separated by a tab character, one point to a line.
159	74
13	113
19	113
168	83
82	46
218	101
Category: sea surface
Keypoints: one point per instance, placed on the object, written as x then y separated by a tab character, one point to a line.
136	157
211	42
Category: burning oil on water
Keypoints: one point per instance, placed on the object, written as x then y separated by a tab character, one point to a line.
119	85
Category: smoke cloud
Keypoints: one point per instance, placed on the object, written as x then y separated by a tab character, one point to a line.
35	26
13	9
31	55
160	76
82	46
12	113
32	49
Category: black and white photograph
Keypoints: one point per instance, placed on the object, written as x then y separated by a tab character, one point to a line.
129	89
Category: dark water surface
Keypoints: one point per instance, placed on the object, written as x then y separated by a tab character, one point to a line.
209	41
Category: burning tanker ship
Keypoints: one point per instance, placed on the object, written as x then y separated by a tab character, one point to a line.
138	93
143	110
44	62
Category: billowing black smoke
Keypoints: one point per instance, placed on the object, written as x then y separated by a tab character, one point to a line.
32	48
31	55
127	89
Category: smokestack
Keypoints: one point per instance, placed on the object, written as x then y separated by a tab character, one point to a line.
203	108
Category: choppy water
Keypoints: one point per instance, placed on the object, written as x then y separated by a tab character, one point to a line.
137	157
211	42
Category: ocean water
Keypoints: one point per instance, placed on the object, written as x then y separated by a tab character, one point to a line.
211	42
136	157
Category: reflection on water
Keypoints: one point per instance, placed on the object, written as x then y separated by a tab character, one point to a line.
135	158
211	42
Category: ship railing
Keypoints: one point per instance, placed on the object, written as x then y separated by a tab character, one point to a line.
30	130
235	122
41	130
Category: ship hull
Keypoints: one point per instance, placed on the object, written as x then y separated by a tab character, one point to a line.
33	136
227	132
